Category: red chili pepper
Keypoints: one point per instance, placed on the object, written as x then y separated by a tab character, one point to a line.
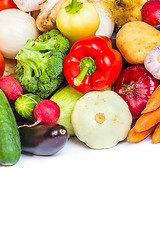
92	64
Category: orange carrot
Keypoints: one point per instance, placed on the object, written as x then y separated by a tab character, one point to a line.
156	135
147	120
136	137
153	102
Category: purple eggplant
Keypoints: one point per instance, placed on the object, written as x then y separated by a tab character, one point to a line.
43	140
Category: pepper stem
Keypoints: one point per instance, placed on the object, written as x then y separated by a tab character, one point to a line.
87	67
74	3
74	7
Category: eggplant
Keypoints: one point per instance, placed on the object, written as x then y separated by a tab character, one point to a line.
158	27
113	40
113	37
43	140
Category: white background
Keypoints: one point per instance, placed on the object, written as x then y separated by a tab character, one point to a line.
83	194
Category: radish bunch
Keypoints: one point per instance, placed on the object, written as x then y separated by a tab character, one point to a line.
46	111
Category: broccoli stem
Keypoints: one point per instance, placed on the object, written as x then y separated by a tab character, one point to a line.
27	72
35	59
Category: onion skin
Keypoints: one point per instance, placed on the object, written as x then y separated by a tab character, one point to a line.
135	85
106	26
16	27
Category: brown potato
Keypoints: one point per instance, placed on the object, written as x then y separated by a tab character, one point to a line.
135	40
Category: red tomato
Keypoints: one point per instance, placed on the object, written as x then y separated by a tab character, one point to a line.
5	4
2	65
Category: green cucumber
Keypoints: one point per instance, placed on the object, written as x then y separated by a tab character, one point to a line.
25	104
10	145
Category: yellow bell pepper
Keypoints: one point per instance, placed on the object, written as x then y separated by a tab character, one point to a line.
77	19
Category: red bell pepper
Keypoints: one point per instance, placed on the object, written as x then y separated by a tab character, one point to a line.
92	64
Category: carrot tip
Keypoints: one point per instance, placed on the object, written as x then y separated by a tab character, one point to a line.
144	111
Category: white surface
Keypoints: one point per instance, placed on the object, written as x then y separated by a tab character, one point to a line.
83	194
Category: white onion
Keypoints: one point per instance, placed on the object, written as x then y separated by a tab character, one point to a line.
16	27
28	5
106	26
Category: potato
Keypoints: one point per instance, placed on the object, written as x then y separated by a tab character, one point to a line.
135	40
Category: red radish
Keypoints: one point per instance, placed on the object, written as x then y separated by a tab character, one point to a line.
151	12
11	87
135	85
47	111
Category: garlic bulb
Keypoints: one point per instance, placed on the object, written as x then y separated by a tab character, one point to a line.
28	5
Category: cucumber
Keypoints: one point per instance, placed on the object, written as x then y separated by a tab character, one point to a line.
25	104
10	145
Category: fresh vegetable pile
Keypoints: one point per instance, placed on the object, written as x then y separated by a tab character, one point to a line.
76	68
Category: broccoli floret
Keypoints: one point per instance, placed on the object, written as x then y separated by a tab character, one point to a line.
40	63
48	41
50	34
54	67
27	81
49	85
19	69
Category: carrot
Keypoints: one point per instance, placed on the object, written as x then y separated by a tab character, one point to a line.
136	137
156	135
147	120
153	102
